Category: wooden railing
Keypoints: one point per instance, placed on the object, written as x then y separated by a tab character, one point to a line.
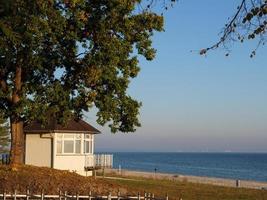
99	161
103	160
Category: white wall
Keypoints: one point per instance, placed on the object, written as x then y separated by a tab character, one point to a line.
72	162
38	150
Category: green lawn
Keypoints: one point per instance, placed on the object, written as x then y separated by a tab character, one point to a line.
50	181
190	191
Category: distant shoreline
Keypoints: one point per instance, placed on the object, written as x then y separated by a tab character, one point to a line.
243	166
188	178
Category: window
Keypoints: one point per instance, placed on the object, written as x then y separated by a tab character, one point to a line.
68	146
59	146
88	143
59	143
69	143
78	142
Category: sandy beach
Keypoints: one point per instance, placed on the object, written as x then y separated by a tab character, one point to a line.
188	178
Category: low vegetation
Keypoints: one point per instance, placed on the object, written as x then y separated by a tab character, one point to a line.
38	179
190	191
51	181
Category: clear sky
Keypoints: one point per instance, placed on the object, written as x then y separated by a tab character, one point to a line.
196	103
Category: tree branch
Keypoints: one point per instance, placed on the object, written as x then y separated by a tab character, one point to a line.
228	30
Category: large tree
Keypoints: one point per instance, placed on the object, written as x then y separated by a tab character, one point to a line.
58	58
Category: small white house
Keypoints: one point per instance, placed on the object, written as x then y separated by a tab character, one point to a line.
69	147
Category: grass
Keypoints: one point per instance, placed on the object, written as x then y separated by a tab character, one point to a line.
39	179
189	191
51	180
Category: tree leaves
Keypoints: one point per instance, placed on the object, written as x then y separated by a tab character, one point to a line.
75	54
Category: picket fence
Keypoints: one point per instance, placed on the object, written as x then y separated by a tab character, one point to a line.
66	196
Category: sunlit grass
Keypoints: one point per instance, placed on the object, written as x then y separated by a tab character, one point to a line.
189	191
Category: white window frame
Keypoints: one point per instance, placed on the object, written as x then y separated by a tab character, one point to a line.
64	137
91	143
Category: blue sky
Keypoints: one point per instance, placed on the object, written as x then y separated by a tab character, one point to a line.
192	102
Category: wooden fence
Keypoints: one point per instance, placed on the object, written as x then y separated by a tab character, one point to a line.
65	196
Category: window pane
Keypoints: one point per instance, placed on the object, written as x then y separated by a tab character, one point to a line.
77	146
91	146
86	147
68	146
68	136
59	146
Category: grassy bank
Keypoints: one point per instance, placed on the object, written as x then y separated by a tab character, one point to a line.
51	181
190	191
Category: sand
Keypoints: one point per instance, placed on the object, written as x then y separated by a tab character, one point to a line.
188	178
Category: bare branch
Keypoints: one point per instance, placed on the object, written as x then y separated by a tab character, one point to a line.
248	22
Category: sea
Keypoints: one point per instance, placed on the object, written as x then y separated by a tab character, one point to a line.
241	166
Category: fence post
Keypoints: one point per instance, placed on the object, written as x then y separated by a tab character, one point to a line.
4	195
90	195
42	195
167	198
77	196
145	196
103	172
65	195
153	196
59	194
138	195
237	183
94	173
27	194
109	196
15	195
119	194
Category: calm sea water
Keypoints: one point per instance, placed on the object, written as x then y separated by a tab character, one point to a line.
244	166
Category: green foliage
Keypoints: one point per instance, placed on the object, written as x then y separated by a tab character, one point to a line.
73	54
4	136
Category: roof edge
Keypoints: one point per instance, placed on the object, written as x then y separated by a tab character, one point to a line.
60	131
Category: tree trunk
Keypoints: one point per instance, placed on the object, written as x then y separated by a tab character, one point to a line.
17	144
17	135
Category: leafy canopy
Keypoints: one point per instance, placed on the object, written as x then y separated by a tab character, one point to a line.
73	54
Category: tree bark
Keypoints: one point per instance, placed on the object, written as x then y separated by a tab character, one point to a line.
17	135
17	143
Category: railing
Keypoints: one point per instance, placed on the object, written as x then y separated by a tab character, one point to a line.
99	161
89	161
5	159
103	160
